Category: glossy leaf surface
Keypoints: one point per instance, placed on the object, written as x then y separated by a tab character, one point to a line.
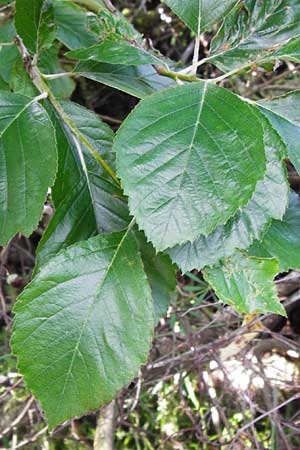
35	23
253	30
28	163
87	201
188	158
73	25
138	81
200	15
246	283
284	114
114	51
269	201
282	239
84	325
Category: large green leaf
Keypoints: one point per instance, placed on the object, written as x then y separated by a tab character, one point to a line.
246	283
282	239
27	163
284	114
254	31
87	201
73	25
35	23
188	158
200	15
115	51
84	325
269	201
138	81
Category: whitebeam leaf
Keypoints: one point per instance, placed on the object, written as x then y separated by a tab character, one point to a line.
188	158
269	201
246	283
84	325
28	163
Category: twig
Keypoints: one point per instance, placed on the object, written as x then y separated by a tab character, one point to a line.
18	419
31	439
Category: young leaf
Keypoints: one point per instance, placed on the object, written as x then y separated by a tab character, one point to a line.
188	158
282	240
283	113
114	51
87	201
246	283
269	201
72	25
200	15
161	274
138	81
27	163
34	23
253	31
9	55
84	325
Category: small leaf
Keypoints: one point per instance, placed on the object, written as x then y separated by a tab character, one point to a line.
161	274
72	25
247	284
114	51
9	55
87	201
200	15
283	113
34	23
138	81
282	240
188	158
84	325
269	201
253	33
27	163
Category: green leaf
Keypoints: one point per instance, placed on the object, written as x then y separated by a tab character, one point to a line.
269	201
282	240
254	31
20	81
161	274
114	51
200	15
84	325
138	81
283	113
246	283
34	23
9	55
27	163
72	25
49	64
87	201
188	158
